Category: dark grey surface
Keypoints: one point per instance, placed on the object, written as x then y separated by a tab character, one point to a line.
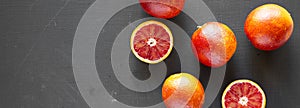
36	49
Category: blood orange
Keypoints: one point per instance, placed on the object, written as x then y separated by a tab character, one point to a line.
243	94
214	44
183	90
151	42
269	27
162	8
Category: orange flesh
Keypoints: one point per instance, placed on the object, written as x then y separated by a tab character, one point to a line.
243	95
152	42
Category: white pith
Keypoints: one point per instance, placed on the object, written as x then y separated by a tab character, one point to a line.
243	101
151	42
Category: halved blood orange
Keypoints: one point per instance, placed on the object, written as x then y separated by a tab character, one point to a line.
151	42
243	94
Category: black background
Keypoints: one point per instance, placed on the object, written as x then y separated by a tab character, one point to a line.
36	49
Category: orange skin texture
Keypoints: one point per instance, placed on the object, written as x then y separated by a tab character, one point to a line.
214	44
183	90
269	27
162	8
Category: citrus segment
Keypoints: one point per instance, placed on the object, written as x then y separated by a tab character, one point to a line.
151	42
243	94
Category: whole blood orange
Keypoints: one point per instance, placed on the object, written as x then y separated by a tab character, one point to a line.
243	94
214	44
162	8
183	90
268	27
151	42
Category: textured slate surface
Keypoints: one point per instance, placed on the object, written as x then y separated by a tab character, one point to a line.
36	49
